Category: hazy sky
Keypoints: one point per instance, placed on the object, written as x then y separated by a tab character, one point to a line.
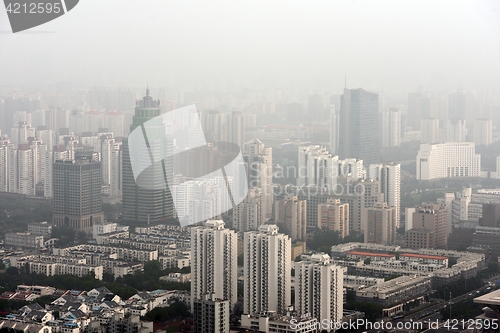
279	43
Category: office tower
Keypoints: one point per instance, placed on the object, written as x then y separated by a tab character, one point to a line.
259	166
290	215
451	159
390	127
319	288
334	130
429	130
483	132
381	224
250	214
491	215
77	201
359	126
214	262
389	176
211	314
430	226
456	130
267	271
145	205
334	215
316	166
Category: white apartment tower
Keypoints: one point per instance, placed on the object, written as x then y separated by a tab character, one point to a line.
429	128
213	262
389	176
316	167
391	127
334	130
259	164
319	288
267	271
451	159
483	132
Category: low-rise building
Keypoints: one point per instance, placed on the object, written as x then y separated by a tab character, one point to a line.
40	228
23	241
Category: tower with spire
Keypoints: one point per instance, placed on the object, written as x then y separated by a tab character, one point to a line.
146	206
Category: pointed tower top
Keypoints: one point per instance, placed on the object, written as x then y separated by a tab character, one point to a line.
147	89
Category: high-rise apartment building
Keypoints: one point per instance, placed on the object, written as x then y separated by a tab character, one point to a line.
359	126
259	166
249	214
77	201
451	159
483	132
334	130
267	271
429	130
390	127
290	214
389	176
456	130
214	262
211	314
421	105
319	288
145	205
334	215
381	224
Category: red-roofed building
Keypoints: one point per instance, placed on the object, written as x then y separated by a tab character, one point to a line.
428	259
370	255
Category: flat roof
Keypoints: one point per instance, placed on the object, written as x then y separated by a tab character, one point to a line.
492	298
371	254
423	256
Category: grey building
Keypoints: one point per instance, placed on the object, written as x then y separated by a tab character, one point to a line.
359	125
143	205
211	314
77	201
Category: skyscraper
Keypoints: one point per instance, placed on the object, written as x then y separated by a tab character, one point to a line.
483	132
319	286
77	201
429	130
249	214
267	271
213	262
142	205
359	125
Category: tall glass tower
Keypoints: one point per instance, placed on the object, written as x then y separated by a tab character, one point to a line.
142	206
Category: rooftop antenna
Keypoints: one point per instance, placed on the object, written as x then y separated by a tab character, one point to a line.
147	89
